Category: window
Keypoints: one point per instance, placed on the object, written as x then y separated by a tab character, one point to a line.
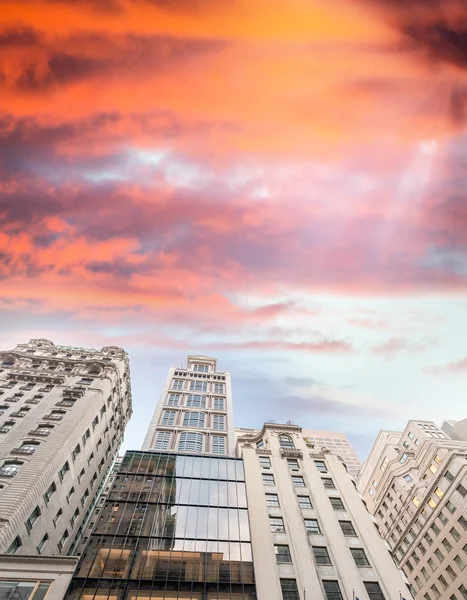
447	544
450	506
5	428
455	534
436	529
199	386
84	497
10	468
373	590
321	466
347	528
218	444
42	543
193	419
162	440
196	401
360	557
48	494
36	513
268	478
408	479
312	526
74	516
28	447
304	502
328	483
75	452
321	555
15	545
201	368
177	384
276	524
285	441
439	555
461	489
449	476
264	462
282	554
292	463
219	388
384	464
168	417
3	408
272	500
63	471
91	458
70	494
191	442
404	457
81	475
298	481
289	589
332	590
218	404
459	562
443	518
450	571
173	400
86	436
463	591
439	492
95	423
218	422
57	516
435	591
443	582
63	540
416	501
336	503
463	522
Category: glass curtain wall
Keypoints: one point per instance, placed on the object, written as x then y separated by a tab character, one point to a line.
173	527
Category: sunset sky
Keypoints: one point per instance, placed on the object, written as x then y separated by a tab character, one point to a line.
277	183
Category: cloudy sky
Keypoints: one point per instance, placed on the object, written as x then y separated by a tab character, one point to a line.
278	183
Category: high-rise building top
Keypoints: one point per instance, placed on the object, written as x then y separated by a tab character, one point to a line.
63	413
446	426
415	484
194	412
337	443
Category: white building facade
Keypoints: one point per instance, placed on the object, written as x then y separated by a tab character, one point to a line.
415	484
336	443
194	412
63	411
312	537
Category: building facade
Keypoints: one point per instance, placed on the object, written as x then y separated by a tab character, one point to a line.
194	412
63	412
336	443
446	426
173	527
312	537
415	484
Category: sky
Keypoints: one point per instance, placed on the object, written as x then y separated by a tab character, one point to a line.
277	183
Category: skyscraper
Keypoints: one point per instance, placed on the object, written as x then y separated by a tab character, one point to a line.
194	412
337	443
415	484
63	414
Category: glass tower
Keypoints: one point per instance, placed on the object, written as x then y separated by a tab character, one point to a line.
173	527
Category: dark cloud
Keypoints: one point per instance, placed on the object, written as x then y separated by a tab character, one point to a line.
22	36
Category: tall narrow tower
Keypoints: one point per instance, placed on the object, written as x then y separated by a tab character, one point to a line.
194	412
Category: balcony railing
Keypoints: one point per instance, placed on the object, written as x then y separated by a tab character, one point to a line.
42	433
23	451
53	417
291	453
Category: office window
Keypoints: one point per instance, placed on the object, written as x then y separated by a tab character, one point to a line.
359	557
264	462
168	417
321	466
443	518
347	528
218	404
177	384
292	463
173	400
28	447
86	436
304	502
218	444
447	544
463	591
282	554
5	428
459	562
408	479
455	534
15	545
57	516
268	478
191	442
48	494
312	526
272	500
439	492
70	494
461	489
435	529
64	470
450	506
36	513
162	440
74	516
75	452
332	590
337	504
285	441
201	368
435	591
84	497
193	419
415	557
289	589
298	481
321	555
373	590
449	476
450	571
276	524
10	468
199	386
439	555
219	388
218	422
63	539
328	483
42	543
196	401
463	522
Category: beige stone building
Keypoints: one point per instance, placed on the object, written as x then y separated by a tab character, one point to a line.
194	412
63	412
312	537
415	484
